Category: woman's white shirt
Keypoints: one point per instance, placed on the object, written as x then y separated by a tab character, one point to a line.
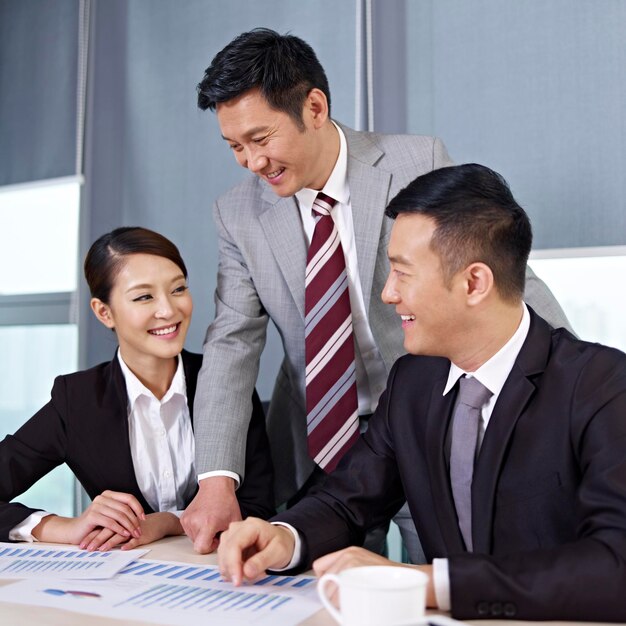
161	441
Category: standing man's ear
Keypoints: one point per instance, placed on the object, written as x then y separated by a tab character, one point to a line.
102	312
316	107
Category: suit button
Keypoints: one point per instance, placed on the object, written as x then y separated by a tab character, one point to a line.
510	610
496	609
482	608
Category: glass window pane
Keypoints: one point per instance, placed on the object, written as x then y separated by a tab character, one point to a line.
587	286
39	249
36	355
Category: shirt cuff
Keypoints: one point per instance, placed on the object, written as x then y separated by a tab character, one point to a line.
441	582
232	475
297	549
23	531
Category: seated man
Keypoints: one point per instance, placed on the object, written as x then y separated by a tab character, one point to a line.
488	390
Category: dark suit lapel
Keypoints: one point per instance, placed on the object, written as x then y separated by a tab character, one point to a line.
439	411
517	392
116	406
112	434
282	226
191	366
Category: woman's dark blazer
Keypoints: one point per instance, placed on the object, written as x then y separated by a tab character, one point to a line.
85	425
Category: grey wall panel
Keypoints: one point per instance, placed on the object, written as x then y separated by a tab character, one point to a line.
38	69
535	90
158	161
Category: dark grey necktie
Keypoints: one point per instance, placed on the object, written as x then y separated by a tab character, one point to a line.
473	395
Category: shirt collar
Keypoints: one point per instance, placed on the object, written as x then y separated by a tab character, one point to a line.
135	388
337	184
494	372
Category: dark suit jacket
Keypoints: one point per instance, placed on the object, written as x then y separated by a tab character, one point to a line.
85	425
549	488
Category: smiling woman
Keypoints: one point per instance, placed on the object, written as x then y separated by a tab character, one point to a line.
149	307
125	427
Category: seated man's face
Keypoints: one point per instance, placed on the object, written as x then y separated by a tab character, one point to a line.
432	313
270	143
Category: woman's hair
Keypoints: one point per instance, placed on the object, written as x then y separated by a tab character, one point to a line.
106	256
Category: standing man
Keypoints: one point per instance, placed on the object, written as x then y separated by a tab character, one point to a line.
319	286
505	435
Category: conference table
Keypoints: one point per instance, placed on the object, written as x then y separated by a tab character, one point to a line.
170	549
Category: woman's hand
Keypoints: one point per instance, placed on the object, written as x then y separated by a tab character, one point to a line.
120	513
155	526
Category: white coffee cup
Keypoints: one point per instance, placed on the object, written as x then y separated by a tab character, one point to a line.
376	595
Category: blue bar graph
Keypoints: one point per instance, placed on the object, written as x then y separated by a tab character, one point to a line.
209	600
35	560
184	572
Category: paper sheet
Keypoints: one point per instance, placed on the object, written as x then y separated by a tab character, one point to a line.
34	561
165	592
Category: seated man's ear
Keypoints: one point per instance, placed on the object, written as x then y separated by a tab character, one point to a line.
478	282
102	311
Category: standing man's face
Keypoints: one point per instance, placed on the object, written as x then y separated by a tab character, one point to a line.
270	144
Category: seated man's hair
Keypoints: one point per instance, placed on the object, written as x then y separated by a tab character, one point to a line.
477	219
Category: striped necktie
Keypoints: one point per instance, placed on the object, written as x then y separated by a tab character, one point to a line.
331	398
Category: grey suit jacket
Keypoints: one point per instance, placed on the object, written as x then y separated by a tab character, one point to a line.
262	258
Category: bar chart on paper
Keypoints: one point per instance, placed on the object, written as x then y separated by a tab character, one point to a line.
19	561
202	589
177	593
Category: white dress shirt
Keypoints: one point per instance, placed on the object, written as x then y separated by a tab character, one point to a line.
492	374
161	441
371	376
161	444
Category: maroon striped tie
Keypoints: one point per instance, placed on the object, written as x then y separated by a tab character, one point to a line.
331	399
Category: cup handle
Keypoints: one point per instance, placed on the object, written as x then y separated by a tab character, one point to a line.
321	592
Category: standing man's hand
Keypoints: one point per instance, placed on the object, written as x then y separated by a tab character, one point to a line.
210	512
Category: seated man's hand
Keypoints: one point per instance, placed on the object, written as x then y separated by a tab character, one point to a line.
248	548
335	562
210	512
154	527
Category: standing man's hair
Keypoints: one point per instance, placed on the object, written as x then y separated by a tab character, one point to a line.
477	220
283	67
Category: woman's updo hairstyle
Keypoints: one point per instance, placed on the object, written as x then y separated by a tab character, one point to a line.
106	256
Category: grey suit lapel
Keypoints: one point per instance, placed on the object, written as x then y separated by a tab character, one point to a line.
283	230
369	190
